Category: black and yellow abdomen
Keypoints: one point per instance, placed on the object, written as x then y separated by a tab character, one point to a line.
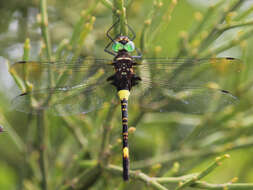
123	96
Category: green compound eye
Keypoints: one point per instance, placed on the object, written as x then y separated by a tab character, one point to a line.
117	46
129	46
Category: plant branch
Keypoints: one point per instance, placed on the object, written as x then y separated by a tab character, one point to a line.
44	27
84	180
119	13
228	45
203	173
215	32
107	3
106	131
203	184
229	186
188	153
41	148
137	175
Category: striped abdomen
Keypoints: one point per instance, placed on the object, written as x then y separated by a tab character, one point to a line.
123	95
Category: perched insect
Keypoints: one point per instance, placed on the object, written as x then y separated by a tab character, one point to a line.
159	84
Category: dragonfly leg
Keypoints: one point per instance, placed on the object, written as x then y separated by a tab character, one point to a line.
108	51
139	56
109	30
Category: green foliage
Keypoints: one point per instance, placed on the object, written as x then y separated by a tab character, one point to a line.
168	150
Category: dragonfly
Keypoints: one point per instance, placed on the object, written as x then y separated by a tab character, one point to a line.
82	85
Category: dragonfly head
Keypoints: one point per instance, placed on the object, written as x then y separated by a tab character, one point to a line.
123	43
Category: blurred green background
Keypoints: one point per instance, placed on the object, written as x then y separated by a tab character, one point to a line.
164	144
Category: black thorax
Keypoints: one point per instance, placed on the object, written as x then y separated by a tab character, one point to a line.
124	77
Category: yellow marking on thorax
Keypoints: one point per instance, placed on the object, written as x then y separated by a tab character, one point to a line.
125	152
123	94
123	58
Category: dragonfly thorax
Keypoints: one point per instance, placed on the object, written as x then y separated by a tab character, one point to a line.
124	77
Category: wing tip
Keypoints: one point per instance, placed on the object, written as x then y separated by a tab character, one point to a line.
23	94
230	58
233	59
229	93
21	62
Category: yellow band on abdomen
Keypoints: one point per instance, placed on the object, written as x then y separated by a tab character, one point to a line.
125	152
123	94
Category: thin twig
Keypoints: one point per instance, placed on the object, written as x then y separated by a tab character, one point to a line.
106	132
41	128
137	175
107	3
42	147
203	173
215	32
44	26
229	44
119	12
188	153
203	184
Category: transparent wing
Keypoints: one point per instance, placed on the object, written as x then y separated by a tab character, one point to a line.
187	85
77	86
46	74
65	101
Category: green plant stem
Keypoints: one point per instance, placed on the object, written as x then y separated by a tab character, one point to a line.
42	144
228	45
244	14
189	153
138	118
79	26
227	186
106	132
147	24
76	131
235	25
119	12
171	180
44	27
107	3
167	17
26	58
22	82
203	173
206	17
215	32
63	45
203	184
137	175
27	48
85	179
156	182
42	139
19	143
84	33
